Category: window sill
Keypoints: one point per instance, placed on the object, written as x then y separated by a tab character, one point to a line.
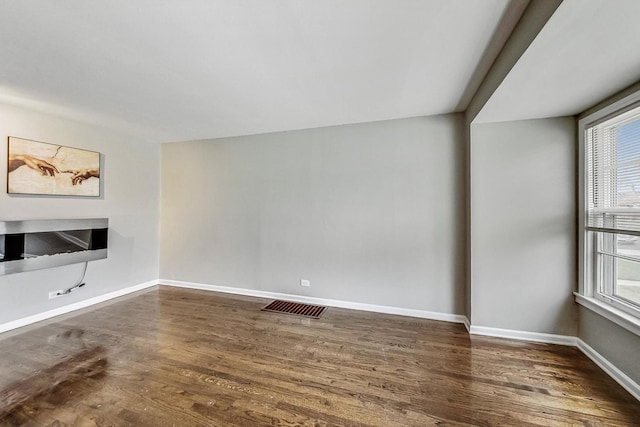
619	317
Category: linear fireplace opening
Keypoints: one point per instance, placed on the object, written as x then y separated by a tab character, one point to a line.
36	244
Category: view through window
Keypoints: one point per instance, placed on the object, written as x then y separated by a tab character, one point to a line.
613	208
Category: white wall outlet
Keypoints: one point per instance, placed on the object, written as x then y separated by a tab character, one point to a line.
54	294
305	283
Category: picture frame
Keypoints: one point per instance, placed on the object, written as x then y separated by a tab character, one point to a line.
41	168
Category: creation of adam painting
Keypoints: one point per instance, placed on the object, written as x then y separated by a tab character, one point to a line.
48	169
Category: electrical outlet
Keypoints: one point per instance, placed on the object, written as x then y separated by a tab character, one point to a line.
54	294
305	283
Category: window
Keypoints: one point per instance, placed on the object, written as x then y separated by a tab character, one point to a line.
611	195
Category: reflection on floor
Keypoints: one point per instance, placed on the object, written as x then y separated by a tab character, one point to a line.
183	357
50	386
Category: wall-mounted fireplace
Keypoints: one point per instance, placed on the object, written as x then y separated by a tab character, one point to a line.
35	244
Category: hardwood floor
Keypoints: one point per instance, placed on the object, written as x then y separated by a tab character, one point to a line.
176	357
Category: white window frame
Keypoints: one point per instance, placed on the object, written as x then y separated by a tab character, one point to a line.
621	313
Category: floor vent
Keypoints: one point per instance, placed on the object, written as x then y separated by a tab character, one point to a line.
287	307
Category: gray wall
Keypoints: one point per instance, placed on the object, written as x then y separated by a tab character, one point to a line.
468	309
523	264
533	19
130	200
616	344
370	213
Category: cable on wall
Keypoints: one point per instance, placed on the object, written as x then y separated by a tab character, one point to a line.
80	283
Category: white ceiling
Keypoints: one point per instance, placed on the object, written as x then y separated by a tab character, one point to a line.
194	69
588	50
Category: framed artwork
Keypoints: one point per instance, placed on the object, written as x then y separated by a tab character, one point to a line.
48	169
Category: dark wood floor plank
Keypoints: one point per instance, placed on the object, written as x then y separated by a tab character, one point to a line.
192	358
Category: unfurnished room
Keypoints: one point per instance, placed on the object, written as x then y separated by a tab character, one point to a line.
372	213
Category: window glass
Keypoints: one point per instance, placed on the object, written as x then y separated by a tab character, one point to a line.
612	149
627	285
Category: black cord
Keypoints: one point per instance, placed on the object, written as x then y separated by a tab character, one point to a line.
78	284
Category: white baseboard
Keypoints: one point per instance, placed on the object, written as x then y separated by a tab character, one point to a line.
609	368
620	377
523	335
432	315
467	324
73	307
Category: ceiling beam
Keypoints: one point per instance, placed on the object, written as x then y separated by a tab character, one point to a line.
533	19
